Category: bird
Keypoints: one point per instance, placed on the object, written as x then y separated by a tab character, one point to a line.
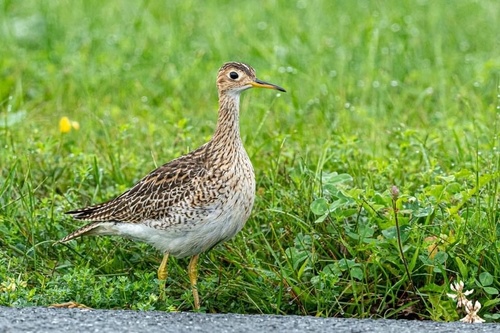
194	202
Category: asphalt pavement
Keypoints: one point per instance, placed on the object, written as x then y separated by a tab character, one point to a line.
39	319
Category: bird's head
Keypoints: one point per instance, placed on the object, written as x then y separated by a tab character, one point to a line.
234	77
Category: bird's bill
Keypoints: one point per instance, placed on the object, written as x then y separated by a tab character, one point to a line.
261	84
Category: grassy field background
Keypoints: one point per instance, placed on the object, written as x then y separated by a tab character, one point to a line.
391	113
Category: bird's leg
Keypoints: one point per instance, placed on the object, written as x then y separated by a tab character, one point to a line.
162	274
193	277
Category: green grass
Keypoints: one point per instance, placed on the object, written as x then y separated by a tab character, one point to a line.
380	94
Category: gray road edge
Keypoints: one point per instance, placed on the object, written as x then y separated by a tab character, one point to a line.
39	319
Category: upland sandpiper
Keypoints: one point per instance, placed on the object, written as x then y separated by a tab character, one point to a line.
194	202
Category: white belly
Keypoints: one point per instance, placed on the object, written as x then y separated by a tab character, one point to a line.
223	223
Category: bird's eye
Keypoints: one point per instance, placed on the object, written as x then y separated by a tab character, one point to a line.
233	75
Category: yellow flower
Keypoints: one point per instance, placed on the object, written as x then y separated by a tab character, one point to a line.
75	125
65	125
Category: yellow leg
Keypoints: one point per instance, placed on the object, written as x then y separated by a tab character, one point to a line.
162	274
193	277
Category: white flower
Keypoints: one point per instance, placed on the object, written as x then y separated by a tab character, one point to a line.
472	316
460	296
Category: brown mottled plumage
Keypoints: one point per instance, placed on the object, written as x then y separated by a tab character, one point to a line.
194	202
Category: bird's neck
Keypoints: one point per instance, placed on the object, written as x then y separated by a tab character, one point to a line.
228	122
